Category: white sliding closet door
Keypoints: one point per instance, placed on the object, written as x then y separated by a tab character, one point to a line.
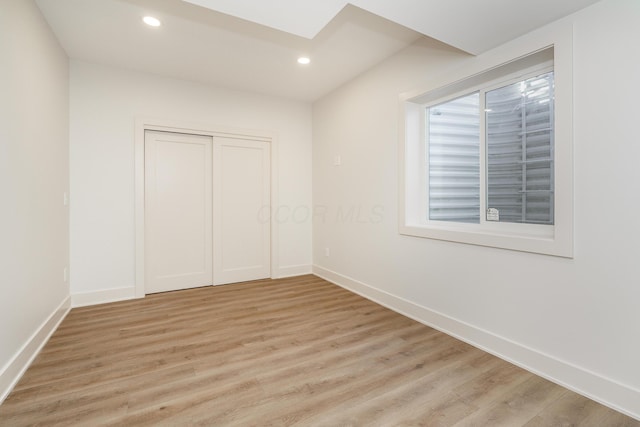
178	211
241	200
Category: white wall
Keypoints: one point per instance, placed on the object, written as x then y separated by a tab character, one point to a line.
34	119
573	320
104	105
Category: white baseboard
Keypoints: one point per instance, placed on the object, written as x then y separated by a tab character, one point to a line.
611	393
84	299
102	297
293	270
17	366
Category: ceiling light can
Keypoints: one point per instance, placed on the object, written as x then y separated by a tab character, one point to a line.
151	21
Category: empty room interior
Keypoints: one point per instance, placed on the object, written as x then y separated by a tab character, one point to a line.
287	212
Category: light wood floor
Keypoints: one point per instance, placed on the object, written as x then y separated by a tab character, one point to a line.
297	351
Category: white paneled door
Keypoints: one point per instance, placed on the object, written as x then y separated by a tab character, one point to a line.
178	211
206	211
241	200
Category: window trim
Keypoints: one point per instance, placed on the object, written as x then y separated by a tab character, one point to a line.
556	239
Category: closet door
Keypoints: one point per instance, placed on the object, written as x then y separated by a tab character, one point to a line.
178	211
241	200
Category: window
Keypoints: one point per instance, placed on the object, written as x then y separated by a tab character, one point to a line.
518	134
480	159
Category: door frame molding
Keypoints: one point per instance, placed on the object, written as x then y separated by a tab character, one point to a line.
150	123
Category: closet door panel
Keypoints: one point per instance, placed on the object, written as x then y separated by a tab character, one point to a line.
242	236
178	211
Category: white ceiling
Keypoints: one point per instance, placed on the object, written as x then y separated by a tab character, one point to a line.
253	44
473	26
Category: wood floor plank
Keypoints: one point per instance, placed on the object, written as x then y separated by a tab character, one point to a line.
294	351
519	406
573	410
407	400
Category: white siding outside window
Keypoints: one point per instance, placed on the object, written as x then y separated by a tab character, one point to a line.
454	160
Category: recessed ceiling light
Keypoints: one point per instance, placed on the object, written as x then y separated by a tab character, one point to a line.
151	21
304	60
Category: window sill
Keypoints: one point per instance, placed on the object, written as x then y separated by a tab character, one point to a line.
547	240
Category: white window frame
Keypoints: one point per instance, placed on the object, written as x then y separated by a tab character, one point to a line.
495	227
556	239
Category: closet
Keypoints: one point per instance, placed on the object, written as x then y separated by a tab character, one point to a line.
206	204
